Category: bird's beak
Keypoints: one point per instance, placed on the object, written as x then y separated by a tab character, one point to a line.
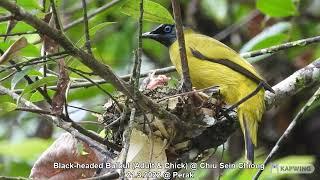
146	34
149	35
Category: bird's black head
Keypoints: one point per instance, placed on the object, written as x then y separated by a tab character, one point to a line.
165	34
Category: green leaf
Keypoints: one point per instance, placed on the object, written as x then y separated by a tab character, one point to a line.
7	106
267	38
28	149
102	133
50	80
36	96
81	149
29	4
277	8
30	51
273	30
153	12
19	75
271	41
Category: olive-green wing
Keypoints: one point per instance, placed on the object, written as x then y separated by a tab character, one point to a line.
234	66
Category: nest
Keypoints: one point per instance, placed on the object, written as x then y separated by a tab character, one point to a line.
202	125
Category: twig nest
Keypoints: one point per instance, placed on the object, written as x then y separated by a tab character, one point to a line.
202	125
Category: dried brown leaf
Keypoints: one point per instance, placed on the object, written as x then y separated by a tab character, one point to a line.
13	50
65	151
59	97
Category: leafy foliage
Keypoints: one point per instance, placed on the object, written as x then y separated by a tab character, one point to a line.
7	107
153	12
275	8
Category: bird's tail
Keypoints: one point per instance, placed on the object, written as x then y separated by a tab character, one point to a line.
250	113
249	146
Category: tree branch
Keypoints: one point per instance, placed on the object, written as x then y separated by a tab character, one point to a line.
55	15
86	27
273	49
293	84
135	83
18	34
126	141
187	85
34	61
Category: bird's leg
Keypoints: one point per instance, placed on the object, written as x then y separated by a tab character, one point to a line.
259	87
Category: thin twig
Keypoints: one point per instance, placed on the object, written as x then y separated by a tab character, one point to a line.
31	63
86	27
139	54
126	141
84	109
250	95
19	34
8	76
92	14
36	111
90	122
187	85
286	134
13	178
115	121
34	60
273	49
98	86
76	7
213	89
55	15
135	85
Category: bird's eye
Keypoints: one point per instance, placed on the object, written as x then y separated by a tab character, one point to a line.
167	29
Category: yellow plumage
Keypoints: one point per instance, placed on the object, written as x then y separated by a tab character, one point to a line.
233	85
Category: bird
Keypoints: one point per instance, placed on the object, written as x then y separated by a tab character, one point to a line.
212	63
